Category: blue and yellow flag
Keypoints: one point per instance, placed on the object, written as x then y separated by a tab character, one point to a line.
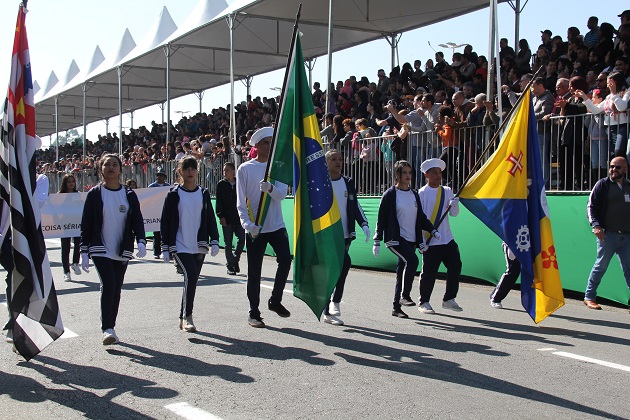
319	244
508	195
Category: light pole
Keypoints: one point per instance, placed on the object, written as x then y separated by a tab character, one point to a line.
453	46
182	114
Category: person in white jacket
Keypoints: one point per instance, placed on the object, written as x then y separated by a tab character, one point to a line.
615	107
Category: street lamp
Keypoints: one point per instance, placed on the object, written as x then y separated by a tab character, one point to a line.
452	46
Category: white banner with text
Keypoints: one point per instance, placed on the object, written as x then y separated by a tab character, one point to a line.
61	215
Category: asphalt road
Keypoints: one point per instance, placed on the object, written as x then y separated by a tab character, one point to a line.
479	363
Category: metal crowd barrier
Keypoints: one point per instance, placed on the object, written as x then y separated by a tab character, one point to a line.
210	173
575	153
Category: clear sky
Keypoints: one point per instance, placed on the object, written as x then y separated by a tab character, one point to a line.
62	30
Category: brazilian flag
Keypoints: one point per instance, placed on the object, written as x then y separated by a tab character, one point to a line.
318	241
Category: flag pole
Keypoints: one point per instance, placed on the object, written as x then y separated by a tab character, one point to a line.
280	110
491	143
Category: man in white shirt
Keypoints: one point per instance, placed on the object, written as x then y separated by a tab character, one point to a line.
435	200
250	184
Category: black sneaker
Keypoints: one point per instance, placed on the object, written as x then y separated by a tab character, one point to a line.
179	269
407	301
279	309
398	313
230	270
236	267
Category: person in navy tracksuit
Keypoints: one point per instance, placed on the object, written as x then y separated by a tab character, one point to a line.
116	207
351	212
188	228
400	223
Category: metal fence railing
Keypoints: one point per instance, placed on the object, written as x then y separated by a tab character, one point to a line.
575	152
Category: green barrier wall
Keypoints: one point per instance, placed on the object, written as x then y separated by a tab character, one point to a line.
481	252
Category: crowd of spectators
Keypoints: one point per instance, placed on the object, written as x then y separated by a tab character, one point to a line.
440	96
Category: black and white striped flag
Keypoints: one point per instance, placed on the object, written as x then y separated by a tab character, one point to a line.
32	299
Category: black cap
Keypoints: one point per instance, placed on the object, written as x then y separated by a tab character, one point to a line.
546	31
624	13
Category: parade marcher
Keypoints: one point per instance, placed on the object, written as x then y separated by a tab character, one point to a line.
69	185
111	221
160	181
442	249
507	280
400	224
351	212
228	218
188	228
249	185
608	208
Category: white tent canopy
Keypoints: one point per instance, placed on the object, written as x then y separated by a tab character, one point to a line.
199	50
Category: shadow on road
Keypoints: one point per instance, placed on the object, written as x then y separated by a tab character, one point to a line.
81	380
394	359
507	330
258	349
180	364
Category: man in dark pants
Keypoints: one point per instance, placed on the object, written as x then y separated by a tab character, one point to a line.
608	209
250	183
351	211
508	279
435	199
160	176
228	218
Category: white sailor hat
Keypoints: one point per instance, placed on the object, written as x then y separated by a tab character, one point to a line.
261	134
432	163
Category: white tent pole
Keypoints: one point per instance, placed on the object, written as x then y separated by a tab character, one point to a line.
167	51
330	39
497	63
106	126
310	65
199	94
231	19
57	126
84	87
120	110
517	24
491	67
131	116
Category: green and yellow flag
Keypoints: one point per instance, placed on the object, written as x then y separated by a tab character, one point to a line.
318	245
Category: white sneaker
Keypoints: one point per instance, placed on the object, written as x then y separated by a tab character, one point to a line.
426	308
334	309
9	338
332	320
187	324
452	305
67	277
110	337
77	269
496	305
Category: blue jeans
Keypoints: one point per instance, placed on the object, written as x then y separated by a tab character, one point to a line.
419	154
229	231
619	136
544	143
618	243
